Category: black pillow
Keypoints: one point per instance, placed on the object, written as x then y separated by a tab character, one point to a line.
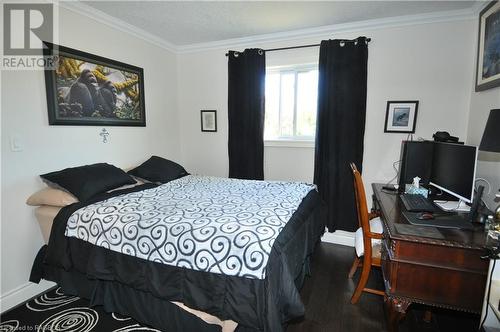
157	169
87	181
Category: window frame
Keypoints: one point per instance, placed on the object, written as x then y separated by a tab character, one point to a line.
295	140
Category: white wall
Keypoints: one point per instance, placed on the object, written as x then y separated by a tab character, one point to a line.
426	62
480	105
48	148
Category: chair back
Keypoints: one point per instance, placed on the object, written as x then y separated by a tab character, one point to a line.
362	209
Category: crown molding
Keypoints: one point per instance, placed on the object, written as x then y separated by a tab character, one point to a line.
329	30
113	22
316	32
479	5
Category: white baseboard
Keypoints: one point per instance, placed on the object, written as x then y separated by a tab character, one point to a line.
22	293
339	237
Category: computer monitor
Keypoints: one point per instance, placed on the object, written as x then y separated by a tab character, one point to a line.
454	169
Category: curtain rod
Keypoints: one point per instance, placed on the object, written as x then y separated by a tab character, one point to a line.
304	46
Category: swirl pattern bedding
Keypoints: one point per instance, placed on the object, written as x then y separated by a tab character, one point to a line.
218	225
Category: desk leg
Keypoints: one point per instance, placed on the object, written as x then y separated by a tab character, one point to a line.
395	311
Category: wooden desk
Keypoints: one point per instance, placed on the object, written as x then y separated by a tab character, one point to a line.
446	272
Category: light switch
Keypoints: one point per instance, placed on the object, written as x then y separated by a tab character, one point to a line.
16	143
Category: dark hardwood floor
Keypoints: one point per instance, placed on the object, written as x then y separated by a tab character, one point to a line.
327	293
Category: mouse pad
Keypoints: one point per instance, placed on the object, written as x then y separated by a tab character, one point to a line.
443	221
413	230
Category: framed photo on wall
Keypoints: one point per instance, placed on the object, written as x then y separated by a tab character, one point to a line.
401	116
488	50
84	89
209	120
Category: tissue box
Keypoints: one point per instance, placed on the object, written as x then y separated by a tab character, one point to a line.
417	191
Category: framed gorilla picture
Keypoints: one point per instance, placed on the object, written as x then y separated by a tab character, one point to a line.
84	89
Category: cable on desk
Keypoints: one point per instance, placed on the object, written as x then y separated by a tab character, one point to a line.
495	257
397	172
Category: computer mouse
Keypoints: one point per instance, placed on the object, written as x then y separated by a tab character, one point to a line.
425	216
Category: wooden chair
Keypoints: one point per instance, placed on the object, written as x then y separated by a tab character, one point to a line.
367	240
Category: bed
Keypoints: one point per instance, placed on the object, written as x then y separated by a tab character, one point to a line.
235	249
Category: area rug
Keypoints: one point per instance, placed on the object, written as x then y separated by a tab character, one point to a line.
54	311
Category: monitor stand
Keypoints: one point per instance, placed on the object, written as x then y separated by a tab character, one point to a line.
459	206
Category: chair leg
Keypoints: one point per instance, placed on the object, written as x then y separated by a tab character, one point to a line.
427	316
365	273
354	267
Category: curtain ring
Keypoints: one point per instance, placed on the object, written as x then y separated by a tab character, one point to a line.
261	52
342	43
356	42
236	54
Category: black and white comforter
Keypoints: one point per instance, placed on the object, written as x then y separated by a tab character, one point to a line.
218	225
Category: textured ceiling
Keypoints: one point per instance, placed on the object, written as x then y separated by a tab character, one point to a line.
182	23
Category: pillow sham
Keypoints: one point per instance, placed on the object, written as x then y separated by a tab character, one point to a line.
89	180
157	169
52	197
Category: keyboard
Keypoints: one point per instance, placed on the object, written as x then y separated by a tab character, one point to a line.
417	203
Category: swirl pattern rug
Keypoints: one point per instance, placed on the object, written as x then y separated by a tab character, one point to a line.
218	225
55	311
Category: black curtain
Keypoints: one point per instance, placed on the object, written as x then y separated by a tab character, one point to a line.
246	89
340	127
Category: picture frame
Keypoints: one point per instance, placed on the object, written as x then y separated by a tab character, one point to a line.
401	116
488	49
208	120
85	89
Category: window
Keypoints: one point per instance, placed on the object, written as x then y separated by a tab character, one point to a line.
291	103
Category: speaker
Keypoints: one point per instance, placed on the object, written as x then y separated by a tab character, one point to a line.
415	160
476	203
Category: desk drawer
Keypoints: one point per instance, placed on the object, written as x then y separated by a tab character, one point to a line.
438	256
413	272
433	285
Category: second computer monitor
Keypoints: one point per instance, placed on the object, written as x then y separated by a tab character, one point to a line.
454	169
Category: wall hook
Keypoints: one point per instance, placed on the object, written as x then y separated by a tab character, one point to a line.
104	134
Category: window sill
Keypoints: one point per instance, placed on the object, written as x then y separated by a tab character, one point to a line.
284	143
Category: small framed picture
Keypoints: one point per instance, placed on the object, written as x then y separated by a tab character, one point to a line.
488	50
401	116
209	120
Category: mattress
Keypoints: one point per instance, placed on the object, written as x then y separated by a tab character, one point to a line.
45	215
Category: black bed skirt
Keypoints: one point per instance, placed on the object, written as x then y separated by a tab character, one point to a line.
119	298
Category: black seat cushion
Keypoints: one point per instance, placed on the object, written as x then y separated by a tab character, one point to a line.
87	181
158	169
